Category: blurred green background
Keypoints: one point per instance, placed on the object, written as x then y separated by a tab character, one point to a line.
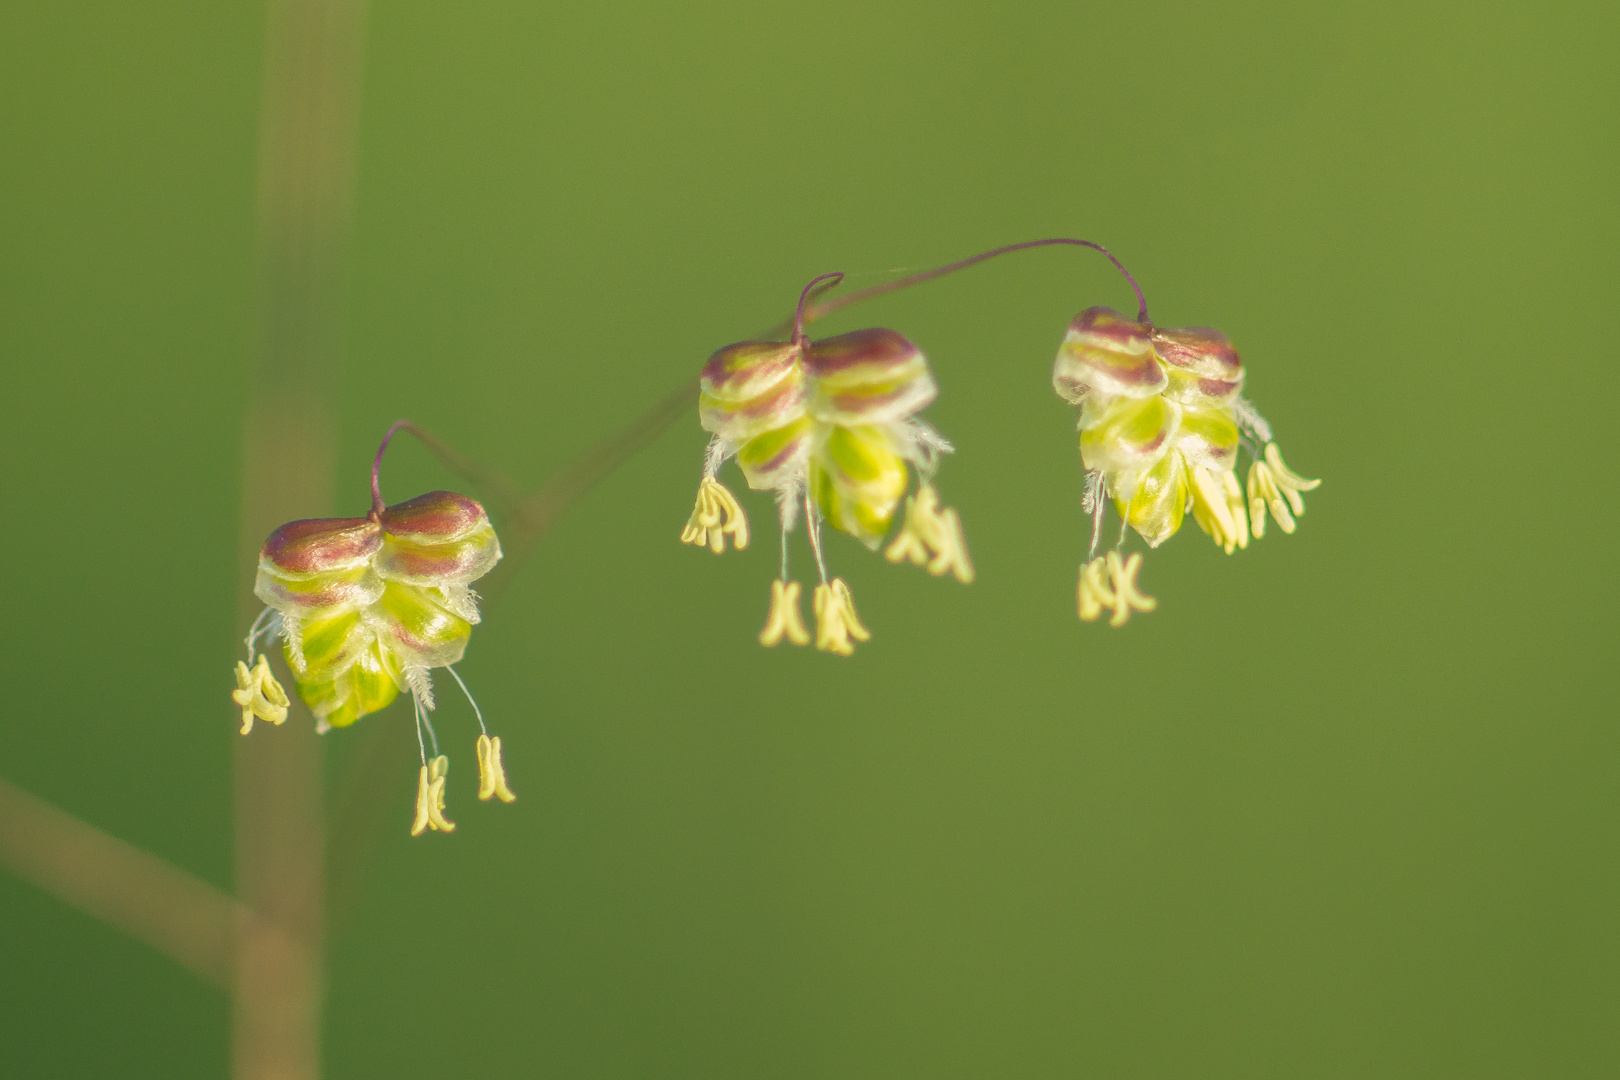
1344	806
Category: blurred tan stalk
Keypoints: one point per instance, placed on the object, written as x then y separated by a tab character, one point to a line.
138	893
310	107
266	947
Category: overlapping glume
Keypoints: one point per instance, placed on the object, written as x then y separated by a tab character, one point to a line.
831	414
365	601
1156	417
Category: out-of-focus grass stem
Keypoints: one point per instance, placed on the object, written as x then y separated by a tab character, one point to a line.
101	875
310	107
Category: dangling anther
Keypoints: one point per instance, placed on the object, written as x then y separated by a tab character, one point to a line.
1236	508
258	694
1094	592
836	621
784	619
932	537
491	772
1122	576
1109	583
1213	509
1270	483
715	514
430	798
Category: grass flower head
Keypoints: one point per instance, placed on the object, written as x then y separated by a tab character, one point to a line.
829	427
366	608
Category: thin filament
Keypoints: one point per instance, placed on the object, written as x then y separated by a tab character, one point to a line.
1098	509
476	710
433	736
416	709
377	503
422	721
254	631
815	536
784	557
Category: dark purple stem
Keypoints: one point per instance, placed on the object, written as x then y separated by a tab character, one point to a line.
816	311
804	298
376	464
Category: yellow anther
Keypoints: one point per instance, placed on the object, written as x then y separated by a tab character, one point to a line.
1275	486
430	798
1095	594
424	802
491	772
909	545
1236	508
932	537
715	514
1213	508
836	621
953	556
784	619
1110	583
258	694
1122	575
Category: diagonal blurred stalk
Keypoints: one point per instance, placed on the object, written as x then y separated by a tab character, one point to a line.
538	513
310	105
137	892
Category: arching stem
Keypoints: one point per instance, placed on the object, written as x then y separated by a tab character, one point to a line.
500	493
813	311
377	504
804	298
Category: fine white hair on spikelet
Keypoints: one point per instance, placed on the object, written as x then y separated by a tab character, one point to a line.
461	600
292	633
1250	420
714	457
421	685
787	504
1094	491
922	444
